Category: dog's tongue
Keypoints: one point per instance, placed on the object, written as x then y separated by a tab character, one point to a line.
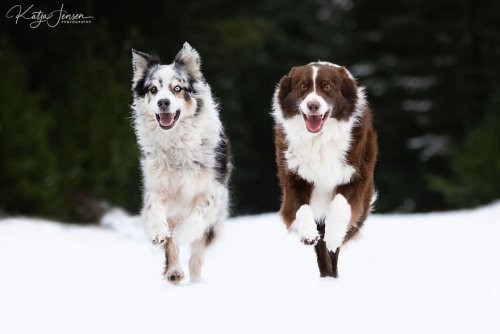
314	122
166	119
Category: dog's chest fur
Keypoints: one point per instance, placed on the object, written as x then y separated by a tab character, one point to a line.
321	160
180	166
176	184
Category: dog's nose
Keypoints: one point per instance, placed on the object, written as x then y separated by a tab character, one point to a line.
313	106
163	103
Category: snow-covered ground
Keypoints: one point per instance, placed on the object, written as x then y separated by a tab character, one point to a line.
429	273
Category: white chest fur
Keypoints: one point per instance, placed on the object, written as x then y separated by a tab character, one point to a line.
178	164
320	159
176	185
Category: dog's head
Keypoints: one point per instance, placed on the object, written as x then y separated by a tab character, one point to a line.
315	93
166	92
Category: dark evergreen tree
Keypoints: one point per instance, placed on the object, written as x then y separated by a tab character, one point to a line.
430	67
28	175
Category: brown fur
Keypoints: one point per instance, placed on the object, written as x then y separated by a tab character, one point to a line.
298	83
327	260
359	190
342	93
295	190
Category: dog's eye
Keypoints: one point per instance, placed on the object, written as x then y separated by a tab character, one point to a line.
327	87
153	90
177	89
303	86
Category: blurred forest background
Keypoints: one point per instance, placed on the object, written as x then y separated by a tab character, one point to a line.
431	68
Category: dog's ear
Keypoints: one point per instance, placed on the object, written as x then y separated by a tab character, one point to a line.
348	86
349	91
189	59
140	63
285	84
285	87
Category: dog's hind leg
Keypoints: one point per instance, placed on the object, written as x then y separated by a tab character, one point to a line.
173	271
198	248
334	258
323	256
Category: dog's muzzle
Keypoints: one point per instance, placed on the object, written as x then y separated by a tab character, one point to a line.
166	120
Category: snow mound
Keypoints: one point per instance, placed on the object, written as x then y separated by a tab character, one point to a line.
426	273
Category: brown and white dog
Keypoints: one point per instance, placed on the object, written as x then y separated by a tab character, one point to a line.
326	150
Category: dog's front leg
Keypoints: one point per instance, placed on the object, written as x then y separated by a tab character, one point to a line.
337	222
154	216
195	225
296	213
305	226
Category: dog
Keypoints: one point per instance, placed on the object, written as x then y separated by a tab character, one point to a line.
326	150
185	157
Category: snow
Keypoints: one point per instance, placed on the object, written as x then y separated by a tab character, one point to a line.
426	273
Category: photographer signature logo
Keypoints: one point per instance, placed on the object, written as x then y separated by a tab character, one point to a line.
52	19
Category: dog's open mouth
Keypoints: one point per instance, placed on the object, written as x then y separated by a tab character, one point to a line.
166	120
314	123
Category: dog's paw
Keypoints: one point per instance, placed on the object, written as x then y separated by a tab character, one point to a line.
333	242
305	226
310	242
158	233
337	222
174	275
156	225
